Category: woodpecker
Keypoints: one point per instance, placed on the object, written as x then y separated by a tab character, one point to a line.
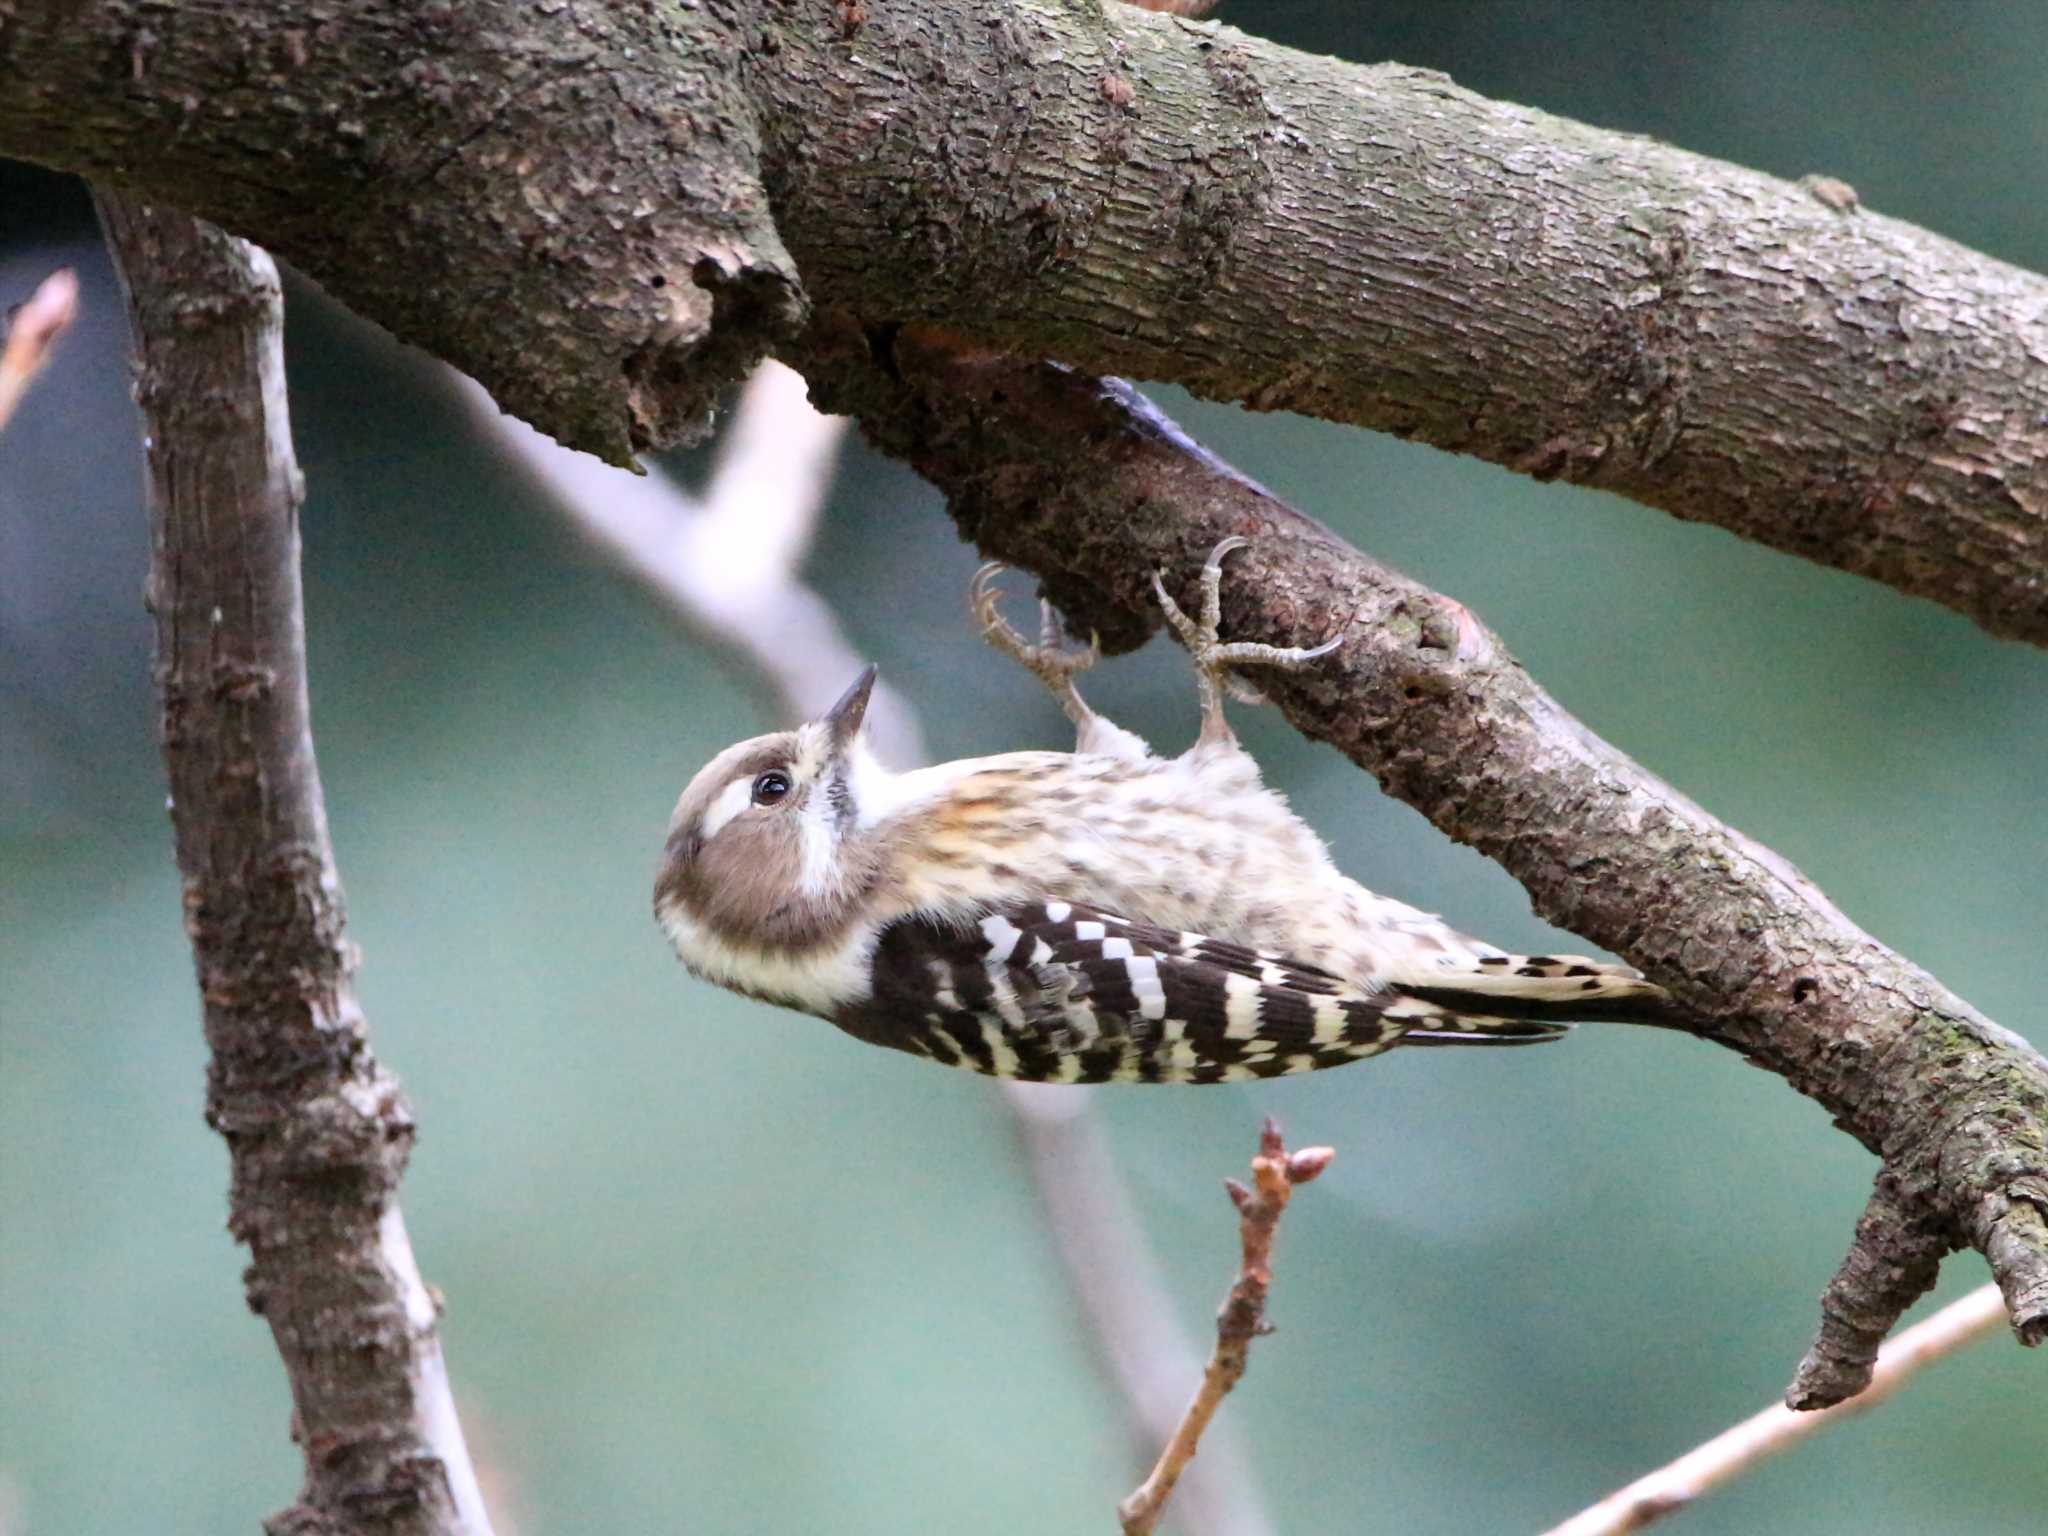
1104	914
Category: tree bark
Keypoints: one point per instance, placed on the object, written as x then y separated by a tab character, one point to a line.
1139	195
317	1130
1083	482
559	199
571	201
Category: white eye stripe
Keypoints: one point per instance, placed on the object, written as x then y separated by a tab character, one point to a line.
730	801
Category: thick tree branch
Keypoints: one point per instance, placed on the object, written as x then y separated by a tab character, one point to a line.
1133	194
317	1130
1123	189
1083	482
571	200
559	198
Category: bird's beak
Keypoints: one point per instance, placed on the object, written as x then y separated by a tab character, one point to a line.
842	721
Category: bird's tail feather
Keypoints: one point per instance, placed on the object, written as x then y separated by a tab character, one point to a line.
1478	1031
1525	1000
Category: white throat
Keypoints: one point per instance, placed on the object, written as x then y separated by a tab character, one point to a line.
879	794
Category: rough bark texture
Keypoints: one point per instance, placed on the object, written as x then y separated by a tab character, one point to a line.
1139	195
317	1130
558	198
562	198
1082	482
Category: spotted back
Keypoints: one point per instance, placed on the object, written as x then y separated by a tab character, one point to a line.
1056	992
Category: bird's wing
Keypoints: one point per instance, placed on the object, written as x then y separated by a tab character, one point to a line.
1057	992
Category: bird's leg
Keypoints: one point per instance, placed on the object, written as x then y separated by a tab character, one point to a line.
1053	664
1213	658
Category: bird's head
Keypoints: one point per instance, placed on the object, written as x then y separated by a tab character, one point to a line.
764	843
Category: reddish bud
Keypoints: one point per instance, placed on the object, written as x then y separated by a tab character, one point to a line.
1308	1162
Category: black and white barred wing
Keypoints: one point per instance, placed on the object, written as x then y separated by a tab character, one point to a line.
1054	992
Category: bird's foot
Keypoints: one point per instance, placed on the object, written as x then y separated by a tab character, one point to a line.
1049	660
1214	658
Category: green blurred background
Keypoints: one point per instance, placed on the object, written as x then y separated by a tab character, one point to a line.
714	1267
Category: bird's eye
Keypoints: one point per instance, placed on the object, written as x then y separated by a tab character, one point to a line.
770	787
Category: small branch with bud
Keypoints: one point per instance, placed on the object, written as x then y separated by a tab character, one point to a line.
1275	1173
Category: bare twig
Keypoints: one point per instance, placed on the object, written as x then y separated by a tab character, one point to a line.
1738	1450
318	1130
1275	1173
1113	1274
42	318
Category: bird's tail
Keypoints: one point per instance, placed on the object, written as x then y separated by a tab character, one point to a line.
1524	1000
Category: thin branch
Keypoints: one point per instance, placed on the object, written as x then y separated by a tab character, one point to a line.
318	1131
725	565
1116	1280
1777	1428
1428	700
32	334
1275	1173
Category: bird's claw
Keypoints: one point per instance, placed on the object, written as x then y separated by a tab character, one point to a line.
1214	657
1050	660
1201	636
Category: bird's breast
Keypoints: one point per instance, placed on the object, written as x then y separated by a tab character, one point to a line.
1184	844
